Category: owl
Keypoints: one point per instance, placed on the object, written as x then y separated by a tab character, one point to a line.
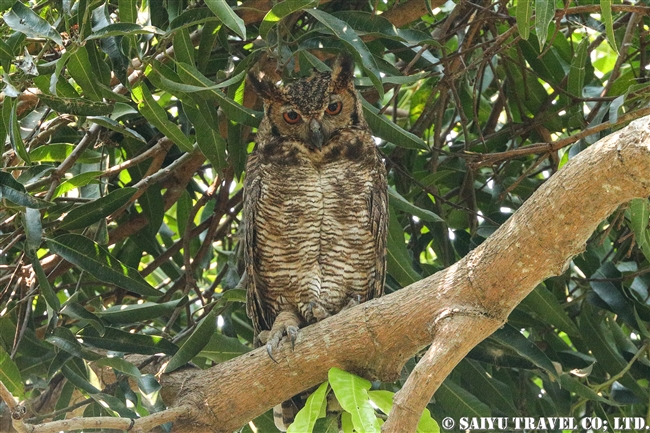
315	207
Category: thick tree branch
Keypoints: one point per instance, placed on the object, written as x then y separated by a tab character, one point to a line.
455	308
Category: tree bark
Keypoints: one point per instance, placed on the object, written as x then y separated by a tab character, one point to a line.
452	310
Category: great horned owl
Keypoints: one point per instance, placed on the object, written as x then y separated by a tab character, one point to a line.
315	206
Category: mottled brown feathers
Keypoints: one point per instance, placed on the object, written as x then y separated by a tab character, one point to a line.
315	206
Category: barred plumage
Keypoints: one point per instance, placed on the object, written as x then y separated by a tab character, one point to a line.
315	206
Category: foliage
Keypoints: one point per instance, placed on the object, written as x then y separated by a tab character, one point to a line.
123	166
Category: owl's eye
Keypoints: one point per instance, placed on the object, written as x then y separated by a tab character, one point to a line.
291	117
334	108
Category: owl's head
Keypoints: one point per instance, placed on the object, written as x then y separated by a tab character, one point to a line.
311	110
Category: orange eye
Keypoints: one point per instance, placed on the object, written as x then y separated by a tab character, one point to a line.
334	108
291	117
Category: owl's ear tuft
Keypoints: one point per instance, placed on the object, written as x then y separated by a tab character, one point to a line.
264	87
343	72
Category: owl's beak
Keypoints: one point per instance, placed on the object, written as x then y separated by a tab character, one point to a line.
316	133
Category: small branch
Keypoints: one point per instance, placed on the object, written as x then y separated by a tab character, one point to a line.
482	160
162	146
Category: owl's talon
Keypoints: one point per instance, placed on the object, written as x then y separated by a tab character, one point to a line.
292	333
269	350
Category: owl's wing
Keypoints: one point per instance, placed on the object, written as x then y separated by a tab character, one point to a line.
254	284
378	209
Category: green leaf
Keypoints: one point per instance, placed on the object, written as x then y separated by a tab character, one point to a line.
175	87
639	217
64	339
85	76
427	424
90	213
572	385
10	375
307	416
600	341
33	229
398	260
94	259
344	32
139	312
576	79
77	181
14	134
127	10
124	29
281	10
236	112
14	191
78	312
484	385
544	14
22	19
513	339
524	13
389	131
548	308
221	348
459	402
126	342
119	364
6	55
56	152
110	402
155	114
611	293
193	17
210	141
195	343
78	377
352	393
606	12
384	401
227	16
398	202
46	289
183	47
111	124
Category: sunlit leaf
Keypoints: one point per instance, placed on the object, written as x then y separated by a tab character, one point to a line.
225	13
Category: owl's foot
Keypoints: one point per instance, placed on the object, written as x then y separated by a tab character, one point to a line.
317	311
286	323
354	301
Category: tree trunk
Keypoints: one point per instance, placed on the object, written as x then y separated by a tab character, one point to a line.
452	310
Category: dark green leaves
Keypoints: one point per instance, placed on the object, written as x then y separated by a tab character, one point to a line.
89	213
398	260
155	114
389	131
194	343
15	192
94	259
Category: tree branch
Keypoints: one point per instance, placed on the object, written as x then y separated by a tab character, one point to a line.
455	308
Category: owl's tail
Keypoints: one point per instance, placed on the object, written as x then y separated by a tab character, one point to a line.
285	413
